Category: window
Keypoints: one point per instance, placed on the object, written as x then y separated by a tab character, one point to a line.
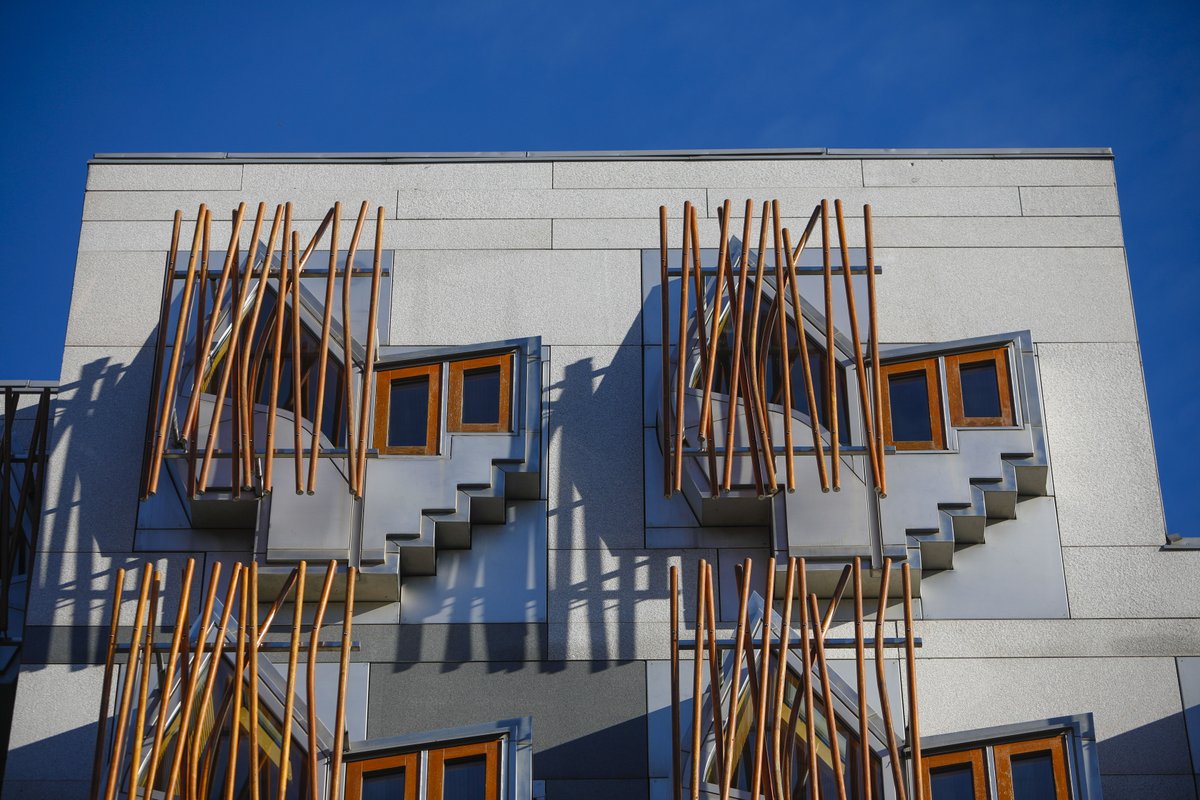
481	395
979	389
1031	769
912	407
408	410
459	772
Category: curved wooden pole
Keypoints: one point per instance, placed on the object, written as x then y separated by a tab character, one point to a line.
277	357
781	672
118	750
860	669
697	677
311	678
831	398
914	717
348	354
160	350
139	725
186	432
297	370
739	314
676	737
250	388
760	716
805	361
368	374
757	379
235	727
664	281
744	571
254	766
167	679
885	706
289	709
339	726
810	623
323	358
714	338
788	443
876	371
681	349
830	717
704	428
714	672
211	678
106	686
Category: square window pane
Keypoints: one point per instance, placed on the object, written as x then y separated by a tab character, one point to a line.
909	396
1033	776
465	779
408	412
980	389
952	783
481	396
384	785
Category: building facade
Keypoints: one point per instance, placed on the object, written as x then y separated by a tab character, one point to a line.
507	427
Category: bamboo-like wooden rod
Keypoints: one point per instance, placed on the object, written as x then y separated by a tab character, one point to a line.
831	398
697	678
211	677
139	725
280	599
760	745
188	433
715	336
783	349
189	697
805	362
297	371
118	748
744	571
681	352
885	705
704	429
868	413
665	314
835	598
348	353
181	324
676	739
277	357
830	717
106	686
316	237
737	297
235	727
231	359
914	716
339	726
323	360
209	324
311	678
214	425
757	692
860	671
290	703
167	678
160	351
372	317
254	766
757	378
876	372
250	388
808	621
781	659
714	671
753	430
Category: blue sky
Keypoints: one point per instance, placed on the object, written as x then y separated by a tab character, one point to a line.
137	76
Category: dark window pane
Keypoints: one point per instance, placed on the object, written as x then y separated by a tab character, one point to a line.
1033	777
980	389
408	409
465	779
481	396
910	408
384	785
952	783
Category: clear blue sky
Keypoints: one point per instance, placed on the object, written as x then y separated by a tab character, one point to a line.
132	76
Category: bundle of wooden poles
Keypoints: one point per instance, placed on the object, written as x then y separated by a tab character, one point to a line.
182	702
776	732
240	371
747	370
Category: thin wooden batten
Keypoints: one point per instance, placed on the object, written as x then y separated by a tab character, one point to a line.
713	340
665	314
676	741
139	725
876	370
277	353
372	317
118	747
348	354
249	387
160	349
106	685
736	359
681	350
697	677
323	362
831	398
830	717
763	682
339	727
914	717
290	700
167	678
704	428
786	362
297	371
743	573
311	677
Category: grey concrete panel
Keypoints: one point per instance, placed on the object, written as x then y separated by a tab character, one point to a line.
988	172
595	437
973	201
661	511
691	174
1069	201
1017	573
407	644
1189	686
163	177
54	714
280	179
1137	787
1132	582
545	203
566	298
502	578
76	588
608	641
1095	407
596	790
932	294
92	481
115	301
997	232
619	585
588	717
1107	638
1135	701
707	537
472	234
309	204
726	578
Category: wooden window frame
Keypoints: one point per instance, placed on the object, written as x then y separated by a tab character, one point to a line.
454	422
383	387
954	363
974	758
357	770
436	768
1055	745
933	390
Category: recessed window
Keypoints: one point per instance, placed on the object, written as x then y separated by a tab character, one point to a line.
389	778
912	409
1033	769
481	395
979	389
459	772
957	776
407	410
